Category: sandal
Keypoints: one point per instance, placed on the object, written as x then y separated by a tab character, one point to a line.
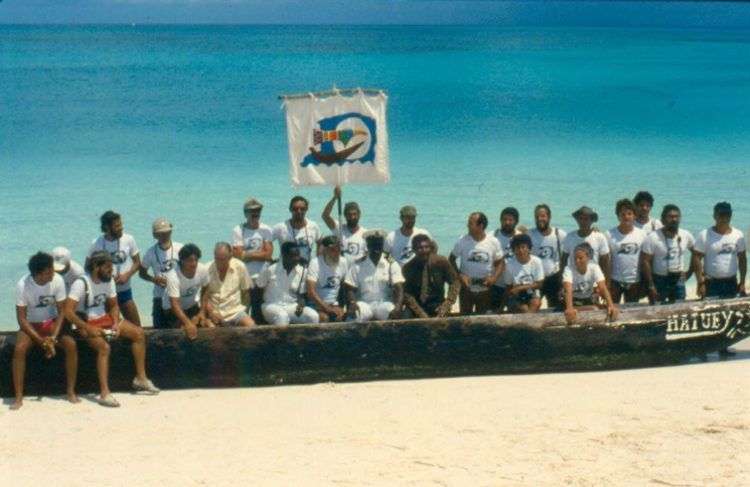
108	401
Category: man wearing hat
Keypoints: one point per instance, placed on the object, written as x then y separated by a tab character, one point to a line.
375	285
252	243
352	242
398	242
64	265
325	274
586	217
160	258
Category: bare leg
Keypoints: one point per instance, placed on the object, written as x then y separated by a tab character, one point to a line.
534	305
23	344
246	322
614	290
129	311
102	349
138	346
68	344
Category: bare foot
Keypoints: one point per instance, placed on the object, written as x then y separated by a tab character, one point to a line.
16	405
73	398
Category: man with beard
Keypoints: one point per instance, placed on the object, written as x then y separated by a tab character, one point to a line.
663	264
375	285
644	201
586	217
299	229
125	258
160	258
252	243
426	276
509	218
324	277
92	307
546	243
398	243
283	285
625	241
351	236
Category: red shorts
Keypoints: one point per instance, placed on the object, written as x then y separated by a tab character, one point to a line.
102	322
44	328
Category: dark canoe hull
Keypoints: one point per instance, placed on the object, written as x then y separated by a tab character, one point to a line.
272	355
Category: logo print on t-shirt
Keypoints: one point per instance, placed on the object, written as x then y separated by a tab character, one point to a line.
583	287
99	299
45	301
168	265
546	252
352	248
191	291
332	282
407	253
254	243
525	278
118	257
727	248
628	249
479	256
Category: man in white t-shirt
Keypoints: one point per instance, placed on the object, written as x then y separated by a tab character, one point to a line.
720	251
585	217
325	274
186	283
644	201
125	258
299	229
66	267
252	243
509	219
480	264
523	277
283	285
582	283
546	243
375	284
398	243
625	242
160	258
40	296
92	307
664	269
351	235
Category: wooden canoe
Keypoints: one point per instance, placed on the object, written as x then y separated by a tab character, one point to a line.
490	344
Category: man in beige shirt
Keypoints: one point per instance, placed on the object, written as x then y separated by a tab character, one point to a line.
228	288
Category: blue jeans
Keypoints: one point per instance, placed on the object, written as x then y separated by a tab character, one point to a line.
670	288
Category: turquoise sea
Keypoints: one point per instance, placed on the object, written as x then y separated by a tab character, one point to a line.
184	122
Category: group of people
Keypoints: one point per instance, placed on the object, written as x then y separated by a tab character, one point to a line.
354	274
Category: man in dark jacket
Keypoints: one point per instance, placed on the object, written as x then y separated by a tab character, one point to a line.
426	276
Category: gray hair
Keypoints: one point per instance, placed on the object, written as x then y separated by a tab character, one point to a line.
223	245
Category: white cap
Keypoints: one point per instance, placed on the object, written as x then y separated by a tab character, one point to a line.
61	257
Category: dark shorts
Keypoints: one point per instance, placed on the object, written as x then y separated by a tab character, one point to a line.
157	314
171	320
551	288
124	296
523	298
670	288
721	288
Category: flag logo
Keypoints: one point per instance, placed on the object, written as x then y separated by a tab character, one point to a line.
346	138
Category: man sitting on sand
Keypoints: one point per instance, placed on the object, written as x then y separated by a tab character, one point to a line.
283	285
40	299
186	285
399	243
583	284
523	277
325	274
92	308
426	276
228	288
375	285
352	241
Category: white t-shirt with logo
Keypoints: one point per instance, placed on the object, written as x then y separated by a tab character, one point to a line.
186	288
74	272
650	226
327	278
720	261
375	283
122	251
306	237
251	240
597	240
505	243
40	301
546	248
160	262
280	287
626	253
668	253
93	303
518	274
583	284
398	245
477	259
353	245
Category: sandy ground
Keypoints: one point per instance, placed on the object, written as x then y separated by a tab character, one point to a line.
676	426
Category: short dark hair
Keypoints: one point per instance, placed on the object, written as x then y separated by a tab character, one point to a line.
417	240
543	206
352	205
96	259
481	218
288	247
107	219
521	239
586	247
669	207
642	196
510	211
329	240
723	207
624	204
296	199
40	262
189	250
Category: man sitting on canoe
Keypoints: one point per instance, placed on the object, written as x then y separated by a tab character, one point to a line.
187	284
426	276
92	308
229	284
584	284
352	234
375	285
325	274
625	242
523	277
40	299
399	243
283	286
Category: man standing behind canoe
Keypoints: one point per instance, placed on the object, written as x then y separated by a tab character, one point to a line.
125	258
426	276
644	201
546	243
586	217
160	258
186	285
481	264
662	258
252	243
398	243
299	229
40	299
375	285
625	241
325	275
228	287
68	269
352	240
92	308
509	218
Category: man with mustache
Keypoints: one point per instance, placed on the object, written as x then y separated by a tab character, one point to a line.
546	243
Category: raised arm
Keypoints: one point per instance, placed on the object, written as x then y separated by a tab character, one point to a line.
330	222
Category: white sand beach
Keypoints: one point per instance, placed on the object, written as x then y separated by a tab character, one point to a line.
672	426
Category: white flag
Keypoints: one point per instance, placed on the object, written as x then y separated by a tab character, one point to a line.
337	139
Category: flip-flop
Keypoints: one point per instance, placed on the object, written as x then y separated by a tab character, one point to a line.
145	386
108	401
